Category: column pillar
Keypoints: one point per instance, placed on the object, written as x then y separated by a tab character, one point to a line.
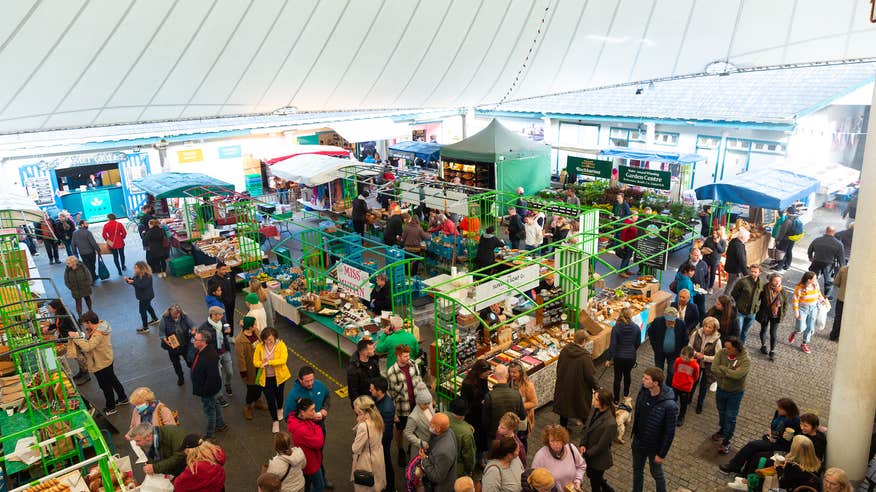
853	399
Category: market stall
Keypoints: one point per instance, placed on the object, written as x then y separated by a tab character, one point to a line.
327	288
416	153
320	179
750	194
49	441
497	159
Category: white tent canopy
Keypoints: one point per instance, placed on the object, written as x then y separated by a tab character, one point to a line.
103	62
312	169
17	210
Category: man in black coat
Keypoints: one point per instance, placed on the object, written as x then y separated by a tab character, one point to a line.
394	228
363	367
486	255
826	254
381	298
206	382
845	237
654	420
667	335
360	208
516	232
736	265
501	400
225	279
576	380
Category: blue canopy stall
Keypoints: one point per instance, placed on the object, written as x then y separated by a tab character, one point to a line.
774	189
412	150
652	155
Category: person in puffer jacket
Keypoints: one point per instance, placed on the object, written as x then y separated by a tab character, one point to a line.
288	463
204	470
653	428
308	435
98	351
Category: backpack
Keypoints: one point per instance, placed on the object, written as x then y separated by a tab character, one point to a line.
172	412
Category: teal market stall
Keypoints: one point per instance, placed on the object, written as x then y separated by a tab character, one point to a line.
66	183
498	159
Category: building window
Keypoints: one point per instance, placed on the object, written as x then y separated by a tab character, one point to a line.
665	138
708	142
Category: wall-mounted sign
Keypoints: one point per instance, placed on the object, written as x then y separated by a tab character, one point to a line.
583	166
355	280
498	290
190	155
230	152
649	178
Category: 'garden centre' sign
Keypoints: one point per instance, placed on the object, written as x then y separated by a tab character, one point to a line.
649	178
587	167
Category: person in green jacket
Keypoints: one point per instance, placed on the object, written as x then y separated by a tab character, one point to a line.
730	367
465	441
394	336
746	292
163	447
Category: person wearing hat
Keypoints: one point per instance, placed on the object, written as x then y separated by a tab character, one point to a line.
163	447
244	349
466	451
667	334
789	233
204	470
541	480
395	335
256	311
417	428
222	343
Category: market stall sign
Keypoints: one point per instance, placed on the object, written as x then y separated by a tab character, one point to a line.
190	155
230	152
650	245
355	280
588	167
649	178
96	205
539	206
505	286
435	197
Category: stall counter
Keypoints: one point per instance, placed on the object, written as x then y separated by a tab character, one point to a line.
95	203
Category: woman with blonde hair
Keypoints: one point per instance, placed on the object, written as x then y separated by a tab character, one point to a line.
519	380
367	446
148	409
204	470
705	342
836	480
800	467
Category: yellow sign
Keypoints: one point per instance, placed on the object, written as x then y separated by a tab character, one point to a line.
190	155
343	392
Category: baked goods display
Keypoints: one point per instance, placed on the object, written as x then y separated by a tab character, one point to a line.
226	250
50	485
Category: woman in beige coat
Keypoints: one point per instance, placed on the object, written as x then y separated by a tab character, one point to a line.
367	447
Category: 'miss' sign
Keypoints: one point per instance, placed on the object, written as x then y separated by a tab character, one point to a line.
355	280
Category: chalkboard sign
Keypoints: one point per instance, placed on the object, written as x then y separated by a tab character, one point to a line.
649	245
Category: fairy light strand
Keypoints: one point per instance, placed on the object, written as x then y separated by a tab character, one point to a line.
529	54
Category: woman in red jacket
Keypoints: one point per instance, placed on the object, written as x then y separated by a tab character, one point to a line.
204	470
308	435
114	234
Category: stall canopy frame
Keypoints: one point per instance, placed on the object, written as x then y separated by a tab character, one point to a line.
652	155
243	208
769	188
180	185
411	150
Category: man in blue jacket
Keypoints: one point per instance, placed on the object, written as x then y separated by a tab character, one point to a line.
667	334
654	421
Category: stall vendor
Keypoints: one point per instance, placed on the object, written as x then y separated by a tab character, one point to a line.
493	314
380	297
486	255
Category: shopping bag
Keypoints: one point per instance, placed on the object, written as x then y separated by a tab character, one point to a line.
102	270
821	317
156	483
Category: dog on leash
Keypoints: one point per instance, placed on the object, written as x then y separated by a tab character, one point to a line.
623	416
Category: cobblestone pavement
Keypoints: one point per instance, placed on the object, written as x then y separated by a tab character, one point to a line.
693	460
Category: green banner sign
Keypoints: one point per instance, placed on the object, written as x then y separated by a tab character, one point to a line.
649	178
582	166
96	205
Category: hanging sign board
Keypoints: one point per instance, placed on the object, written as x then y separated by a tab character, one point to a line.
230	152
649	245
582	166
355	280
190	155
96	205
506	286
649	178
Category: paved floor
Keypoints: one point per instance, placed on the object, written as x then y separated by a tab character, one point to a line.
692	462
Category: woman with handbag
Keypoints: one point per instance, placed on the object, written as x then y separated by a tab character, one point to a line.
288	463
563	460
157	248
114	234
177	324
368	472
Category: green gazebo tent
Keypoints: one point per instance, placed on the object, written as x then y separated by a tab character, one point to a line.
504	160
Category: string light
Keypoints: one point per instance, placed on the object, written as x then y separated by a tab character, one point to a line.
529	54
